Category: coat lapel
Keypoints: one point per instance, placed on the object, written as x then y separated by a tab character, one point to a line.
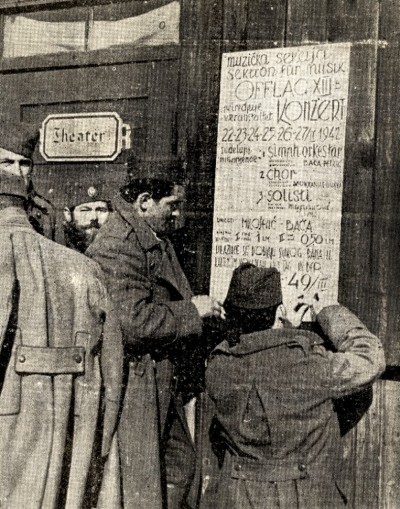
162	260
170	270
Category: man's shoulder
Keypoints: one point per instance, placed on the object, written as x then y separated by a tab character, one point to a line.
268	341
116	226
115	232
125	234
66	258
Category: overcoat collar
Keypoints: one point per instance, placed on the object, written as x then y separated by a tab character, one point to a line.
144	233
167	267
265	340
14	217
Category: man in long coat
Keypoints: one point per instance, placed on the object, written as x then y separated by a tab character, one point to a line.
160	318
273	389
59	349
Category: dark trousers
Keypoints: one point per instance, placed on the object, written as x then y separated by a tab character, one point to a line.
177	449
177	457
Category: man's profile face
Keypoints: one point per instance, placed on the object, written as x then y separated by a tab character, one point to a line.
162	215
87	218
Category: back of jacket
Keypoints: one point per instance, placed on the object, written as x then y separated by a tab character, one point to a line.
59	345
273	390
272	403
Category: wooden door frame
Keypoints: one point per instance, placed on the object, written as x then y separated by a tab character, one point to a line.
77	59
12	6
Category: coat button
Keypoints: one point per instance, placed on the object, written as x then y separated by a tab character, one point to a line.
238	467
21	358
302	467
78	358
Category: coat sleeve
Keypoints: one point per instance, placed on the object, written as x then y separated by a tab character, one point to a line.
144	323
359	359
112	368
111	359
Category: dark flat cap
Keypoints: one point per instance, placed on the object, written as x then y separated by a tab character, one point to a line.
254	287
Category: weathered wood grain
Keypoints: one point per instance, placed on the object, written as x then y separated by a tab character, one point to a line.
266	24
390	443
306	22
357	22
386	222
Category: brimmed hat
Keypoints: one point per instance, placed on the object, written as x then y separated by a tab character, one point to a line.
254	287
20	139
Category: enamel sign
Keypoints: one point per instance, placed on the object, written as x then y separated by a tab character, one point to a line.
84	137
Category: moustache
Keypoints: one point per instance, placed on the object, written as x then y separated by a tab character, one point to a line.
93	224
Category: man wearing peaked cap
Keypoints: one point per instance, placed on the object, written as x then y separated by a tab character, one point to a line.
85	214
272	385
60	355
17	144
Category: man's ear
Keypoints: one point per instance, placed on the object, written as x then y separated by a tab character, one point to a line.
144	201
67	214
280	317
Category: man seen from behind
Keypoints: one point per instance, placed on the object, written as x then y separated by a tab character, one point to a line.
272	385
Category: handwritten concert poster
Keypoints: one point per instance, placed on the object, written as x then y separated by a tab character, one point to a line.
279	167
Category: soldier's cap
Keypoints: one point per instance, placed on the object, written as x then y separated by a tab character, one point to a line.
169	169
254	287
21	140
85	192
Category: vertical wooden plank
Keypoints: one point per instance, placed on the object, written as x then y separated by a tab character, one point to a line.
390	483
201	43
358	22
306	22
199	82
188	74
386	226
235	25
368	453
162	104
266	23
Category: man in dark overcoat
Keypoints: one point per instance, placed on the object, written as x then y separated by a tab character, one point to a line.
60	354
272	387
160	319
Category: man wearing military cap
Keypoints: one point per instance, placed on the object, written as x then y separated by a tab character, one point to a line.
161	320
272	385
85	214
60	353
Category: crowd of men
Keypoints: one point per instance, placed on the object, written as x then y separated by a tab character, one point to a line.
97	344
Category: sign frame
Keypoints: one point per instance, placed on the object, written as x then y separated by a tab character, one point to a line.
122	140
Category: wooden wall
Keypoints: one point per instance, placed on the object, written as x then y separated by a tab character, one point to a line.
370	267
370	262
